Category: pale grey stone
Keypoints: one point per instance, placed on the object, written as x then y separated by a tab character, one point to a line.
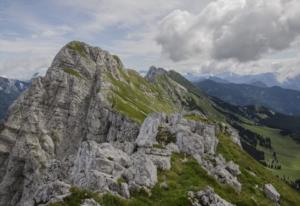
207	197
89	202
149	130
271	192
142	172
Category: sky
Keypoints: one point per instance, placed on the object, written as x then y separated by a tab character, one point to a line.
190	36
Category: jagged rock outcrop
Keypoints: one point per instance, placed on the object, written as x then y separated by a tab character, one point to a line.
191	137
49	124
64	132
149	130
233	133
207	197
154	72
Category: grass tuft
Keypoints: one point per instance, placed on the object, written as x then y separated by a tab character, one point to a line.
72	72
78	47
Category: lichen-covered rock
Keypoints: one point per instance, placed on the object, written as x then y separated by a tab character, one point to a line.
207	197
271	193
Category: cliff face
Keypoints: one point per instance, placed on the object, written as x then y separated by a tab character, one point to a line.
46	125
90	123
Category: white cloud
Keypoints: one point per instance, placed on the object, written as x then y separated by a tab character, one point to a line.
198	36
20	58
23	67
244	30
101	14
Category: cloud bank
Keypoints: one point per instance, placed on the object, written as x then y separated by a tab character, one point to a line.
243	30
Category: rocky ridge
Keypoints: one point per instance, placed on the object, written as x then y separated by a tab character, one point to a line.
71	129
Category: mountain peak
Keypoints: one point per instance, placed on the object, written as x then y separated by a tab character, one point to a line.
154	72
82	60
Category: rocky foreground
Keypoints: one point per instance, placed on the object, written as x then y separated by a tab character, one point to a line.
64	132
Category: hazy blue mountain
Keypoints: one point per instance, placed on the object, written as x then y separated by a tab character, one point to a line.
281	100
260	80
9	91
293	83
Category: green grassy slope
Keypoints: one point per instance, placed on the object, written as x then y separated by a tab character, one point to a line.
200	100
288	151
135	97
285	146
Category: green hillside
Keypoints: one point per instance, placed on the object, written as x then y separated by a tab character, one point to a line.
287	150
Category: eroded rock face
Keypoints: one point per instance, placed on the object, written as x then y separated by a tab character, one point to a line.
50	123
207	197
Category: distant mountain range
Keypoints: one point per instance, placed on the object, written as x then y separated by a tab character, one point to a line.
285	101
9	91
261	80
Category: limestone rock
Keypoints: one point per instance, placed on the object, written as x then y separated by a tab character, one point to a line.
160	157
234	134
50	123
226	172
125	190
192	137
149	130
233	168
207	197
154	72
54	191
98	166
89	202
271	193
142	173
